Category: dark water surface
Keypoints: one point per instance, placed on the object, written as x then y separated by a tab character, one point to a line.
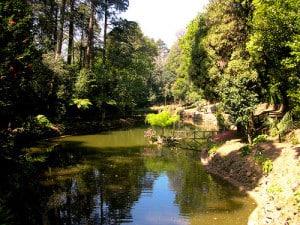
117	178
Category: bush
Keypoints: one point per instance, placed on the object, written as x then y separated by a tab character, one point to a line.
295	140
259	158
246	150
260	138
43	121
213	150
267	166
280	127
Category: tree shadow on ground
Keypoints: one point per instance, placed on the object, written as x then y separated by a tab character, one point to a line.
297	149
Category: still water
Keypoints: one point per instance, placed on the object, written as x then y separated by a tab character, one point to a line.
118	178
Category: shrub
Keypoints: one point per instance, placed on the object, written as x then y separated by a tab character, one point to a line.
294	140
81	103
245	150
260	138
212	150
280	127
267	166
43	121
162	119
258	158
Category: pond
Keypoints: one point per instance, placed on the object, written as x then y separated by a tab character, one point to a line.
117	178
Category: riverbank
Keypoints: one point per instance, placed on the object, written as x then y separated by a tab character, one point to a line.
274	185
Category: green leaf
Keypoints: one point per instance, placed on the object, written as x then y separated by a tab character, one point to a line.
81	103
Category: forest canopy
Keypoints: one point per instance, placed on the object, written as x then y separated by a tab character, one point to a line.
240	53
79	60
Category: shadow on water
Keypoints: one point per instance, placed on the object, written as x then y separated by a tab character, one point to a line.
91	180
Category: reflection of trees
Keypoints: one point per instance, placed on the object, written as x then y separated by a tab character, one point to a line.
88	186
19	193
198	191
82	186
103	195
195	189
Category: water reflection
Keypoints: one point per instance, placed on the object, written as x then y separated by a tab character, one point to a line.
116	178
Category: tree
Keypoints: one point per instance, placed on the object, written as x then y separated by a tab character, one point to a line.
45	16
17	52
90	34
177	64
130	60
239	94
275	34
280	127
162	119
110	9
229	67
162	79
60	32
196	57
71	32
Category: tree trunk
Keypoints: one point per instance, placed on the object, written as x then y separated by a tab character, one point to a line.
60	29
105	30
89	47
54	12
71	33
82	49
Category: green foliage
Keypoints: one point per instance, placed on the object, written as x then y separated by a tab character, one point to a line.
213	149
82	103
16	40
85	85
295	101
197	57
130	62
238	89
280	127
43	121
162	119
236	52
258	158
267	166
18	57
221	120
260	138
180	88
6	142
245	150
295	140
162	78
272	47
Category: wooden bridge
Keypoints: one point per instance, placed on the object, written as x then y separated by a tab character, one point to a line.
195	135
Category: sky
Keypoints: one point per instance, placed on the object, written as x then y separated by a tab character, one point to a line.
163	19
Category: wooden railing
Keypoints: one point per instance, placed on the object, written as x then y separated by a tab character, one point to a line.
195	135
204	134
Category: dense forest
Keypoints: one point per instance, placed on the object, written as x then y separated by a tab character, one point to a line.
68	61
